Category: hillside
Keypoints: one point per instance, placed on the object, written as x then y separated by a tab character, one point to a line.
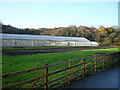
107	36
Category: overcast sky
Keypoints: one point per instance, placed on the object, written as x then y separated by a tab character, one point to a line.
59	14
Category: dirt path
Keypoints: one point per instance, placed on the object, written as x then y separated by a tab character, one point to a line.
47	50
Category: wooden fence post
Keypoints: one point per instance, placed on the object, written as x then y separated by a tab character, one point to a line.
95	66
109	57
83	67
46	77
69	71
108	61
103	59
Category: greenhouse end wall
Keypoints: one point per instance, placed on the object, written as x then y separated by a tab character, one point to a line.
36	43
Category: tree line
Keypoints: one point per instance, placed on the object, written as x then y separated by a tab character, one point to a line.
105	36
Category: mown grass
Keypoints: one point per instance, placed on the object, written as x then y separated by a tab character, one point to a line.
17	63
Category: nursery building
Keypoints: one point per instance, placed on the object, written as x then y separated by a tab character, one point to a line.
23	40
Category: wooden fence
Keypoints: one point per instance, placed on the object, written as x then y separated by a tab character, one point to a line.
85	65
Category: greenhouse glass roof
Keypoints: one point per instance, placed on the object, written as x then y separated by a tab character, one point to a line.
42	37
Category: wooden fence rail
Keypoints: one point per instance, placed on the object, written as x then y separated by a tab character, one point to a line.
83	67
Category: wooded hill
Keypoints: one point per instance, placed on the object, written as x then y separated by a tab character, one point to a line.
106	36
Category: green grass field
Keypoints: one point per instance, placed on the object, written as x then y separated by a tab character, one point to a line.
23	62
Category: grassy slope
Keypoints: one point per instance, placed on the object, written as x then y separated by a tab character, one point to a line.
17	63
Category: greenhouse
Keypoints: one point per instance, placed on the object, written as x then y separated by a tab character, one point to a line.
23	40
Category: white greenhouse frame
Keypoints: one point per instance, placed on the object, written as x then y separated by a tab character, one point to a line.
23	40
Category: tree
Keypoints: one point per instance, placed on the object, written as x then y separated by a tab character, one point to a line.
117	41
73	29
107	41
